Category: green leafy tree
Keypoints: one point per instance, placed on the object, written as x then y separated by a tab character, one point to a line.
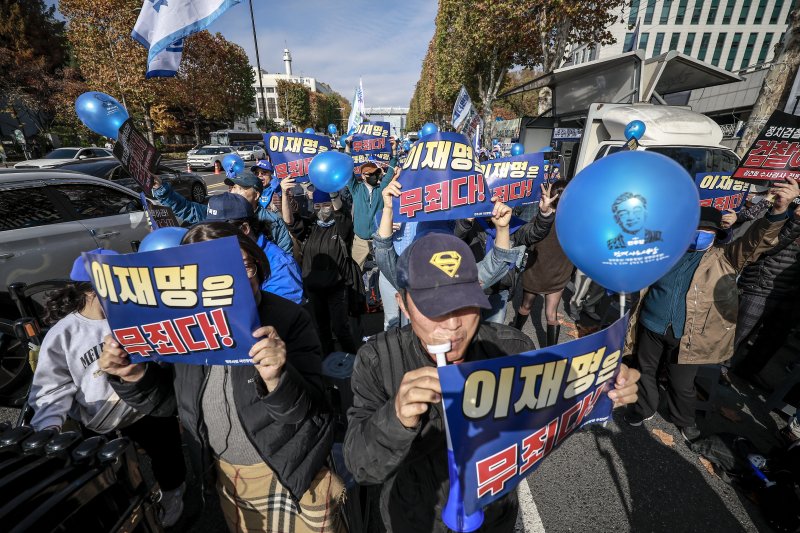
294	103
267	124
237	81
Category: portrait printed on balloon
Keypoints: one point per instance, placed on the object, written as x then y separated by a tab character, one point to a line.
442	180
627	218
291	153
370	142
187	304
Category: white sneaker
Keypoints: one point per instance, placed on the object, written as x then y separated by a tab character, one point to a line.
171	503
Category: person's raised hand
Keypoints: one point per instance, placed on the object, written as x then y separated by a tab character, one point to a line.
418	389
393	143
785	192
390	192
546	201
728	219
501	214
156	181
114	361
286	184
625	387
269	355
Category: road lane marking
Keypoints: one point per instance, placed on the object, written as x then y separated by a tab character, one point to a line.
531	521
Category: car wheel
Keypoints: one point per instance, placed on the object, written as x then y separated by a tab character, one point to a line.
198	193
15	372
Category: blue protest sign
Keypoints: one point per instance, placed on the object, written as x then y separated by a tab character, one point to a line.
191	304
505	415
721	191
291	153
370	142
442	180
516	180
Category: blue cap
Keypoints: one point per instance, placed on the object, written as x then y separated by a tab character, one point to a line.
320	197
79	272
228	206
440	274
263	164
247	180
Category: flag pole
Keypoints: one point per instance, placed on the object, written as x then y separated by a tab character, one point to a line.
260	96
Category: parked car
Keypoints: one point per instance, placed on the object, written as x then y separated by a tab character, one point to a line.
188	184
208	157
251	152
47	218
63	155
193	149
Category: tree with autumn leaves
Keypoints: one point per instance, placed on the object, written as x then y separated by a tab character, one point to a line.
477	43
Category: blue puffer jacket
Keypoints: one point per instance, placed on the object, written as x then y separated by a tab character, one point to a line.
285	278
193	212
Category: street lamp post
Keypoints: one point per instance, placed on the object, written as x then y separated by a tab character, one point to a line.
260	95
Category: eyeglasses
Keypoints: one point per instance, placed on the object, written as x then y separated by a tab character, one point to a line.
251	270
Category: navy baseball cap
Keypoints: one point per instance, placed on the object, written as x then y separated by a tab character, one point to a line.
228	206
263	164
79	272
320	197
440	273
247	180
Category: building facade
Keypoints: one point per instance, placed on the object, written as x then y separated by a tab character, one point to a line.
395	116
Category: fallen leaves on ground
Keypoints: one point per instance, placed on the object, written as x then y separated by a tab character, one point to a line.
707	465
664	437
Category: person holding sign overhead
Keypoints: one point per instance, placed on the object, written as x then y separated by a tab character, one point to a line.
265	430
396	434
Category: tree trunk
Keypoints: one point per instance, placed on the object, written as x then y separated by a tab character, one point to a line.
196	124
148	125
777	85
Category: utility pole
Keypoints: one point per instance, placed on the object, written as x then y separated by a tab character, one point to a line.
260	95
777	85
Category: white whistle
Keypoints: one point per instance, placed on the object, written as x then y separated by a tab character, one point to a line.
440	351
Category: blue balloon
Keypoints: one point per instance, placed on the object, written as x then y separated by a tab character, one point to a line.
232	164
330	171
343	141
162	238
309	130
517	149
429	128
332	129
406	146
627	218
100	113
634	130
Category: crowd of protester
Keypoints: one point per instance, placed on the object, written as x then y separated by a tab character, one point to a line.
261	437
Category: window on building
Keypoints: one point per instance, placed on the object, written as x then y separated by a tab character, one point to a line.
272	108
628	44
776	12
762	6
698	9
658	44
745	11
270	89
634	12
681	12
718	49
737	38
701	54
689	44
643	38
673	41
649	10
765	47
726	17
665	9
712	12
593	53
748	50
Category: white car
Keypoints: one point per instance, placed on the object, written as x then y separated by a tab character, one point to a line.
208	156
60	156
251	152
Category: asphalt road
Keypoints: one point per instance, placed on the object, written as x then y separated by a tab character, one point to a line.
214	182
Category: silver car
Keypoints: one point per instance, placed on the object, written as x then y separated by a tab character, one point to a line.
208	157
64	155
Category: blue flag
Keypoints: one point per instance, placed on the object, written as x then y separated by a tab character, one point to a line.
191	304
505	415
291	153
163	23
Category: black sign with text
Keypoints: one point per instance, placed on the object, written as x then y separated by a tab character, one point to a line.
137	155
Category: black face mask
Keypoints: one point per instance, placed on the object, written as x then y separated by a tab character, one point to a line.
372	179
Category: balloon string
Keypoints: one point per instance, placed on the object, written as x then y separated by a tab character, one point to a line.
621	304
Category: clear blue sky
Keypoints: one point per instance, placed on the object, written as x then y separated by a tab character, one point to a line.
336	41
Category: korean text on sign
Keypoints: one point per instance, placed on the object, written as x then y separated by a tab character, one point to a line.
291	153
370	142
775	154
516	180
189	304
505	415
721	191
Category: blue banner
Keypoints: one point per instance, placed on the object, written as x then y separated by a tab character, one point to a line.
505	415
191	304
370	142
442	180
721	191
291	153
516	180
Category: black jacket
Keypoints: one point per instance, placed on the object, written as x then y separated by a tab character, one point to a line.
412	463
326	250
291	427
776	274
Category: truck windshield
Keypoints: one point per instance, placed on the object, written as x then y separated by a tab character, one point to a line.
698	160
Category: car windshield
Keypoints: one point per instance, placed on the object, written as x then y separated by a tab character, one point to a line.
698	160
207	151
62	153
